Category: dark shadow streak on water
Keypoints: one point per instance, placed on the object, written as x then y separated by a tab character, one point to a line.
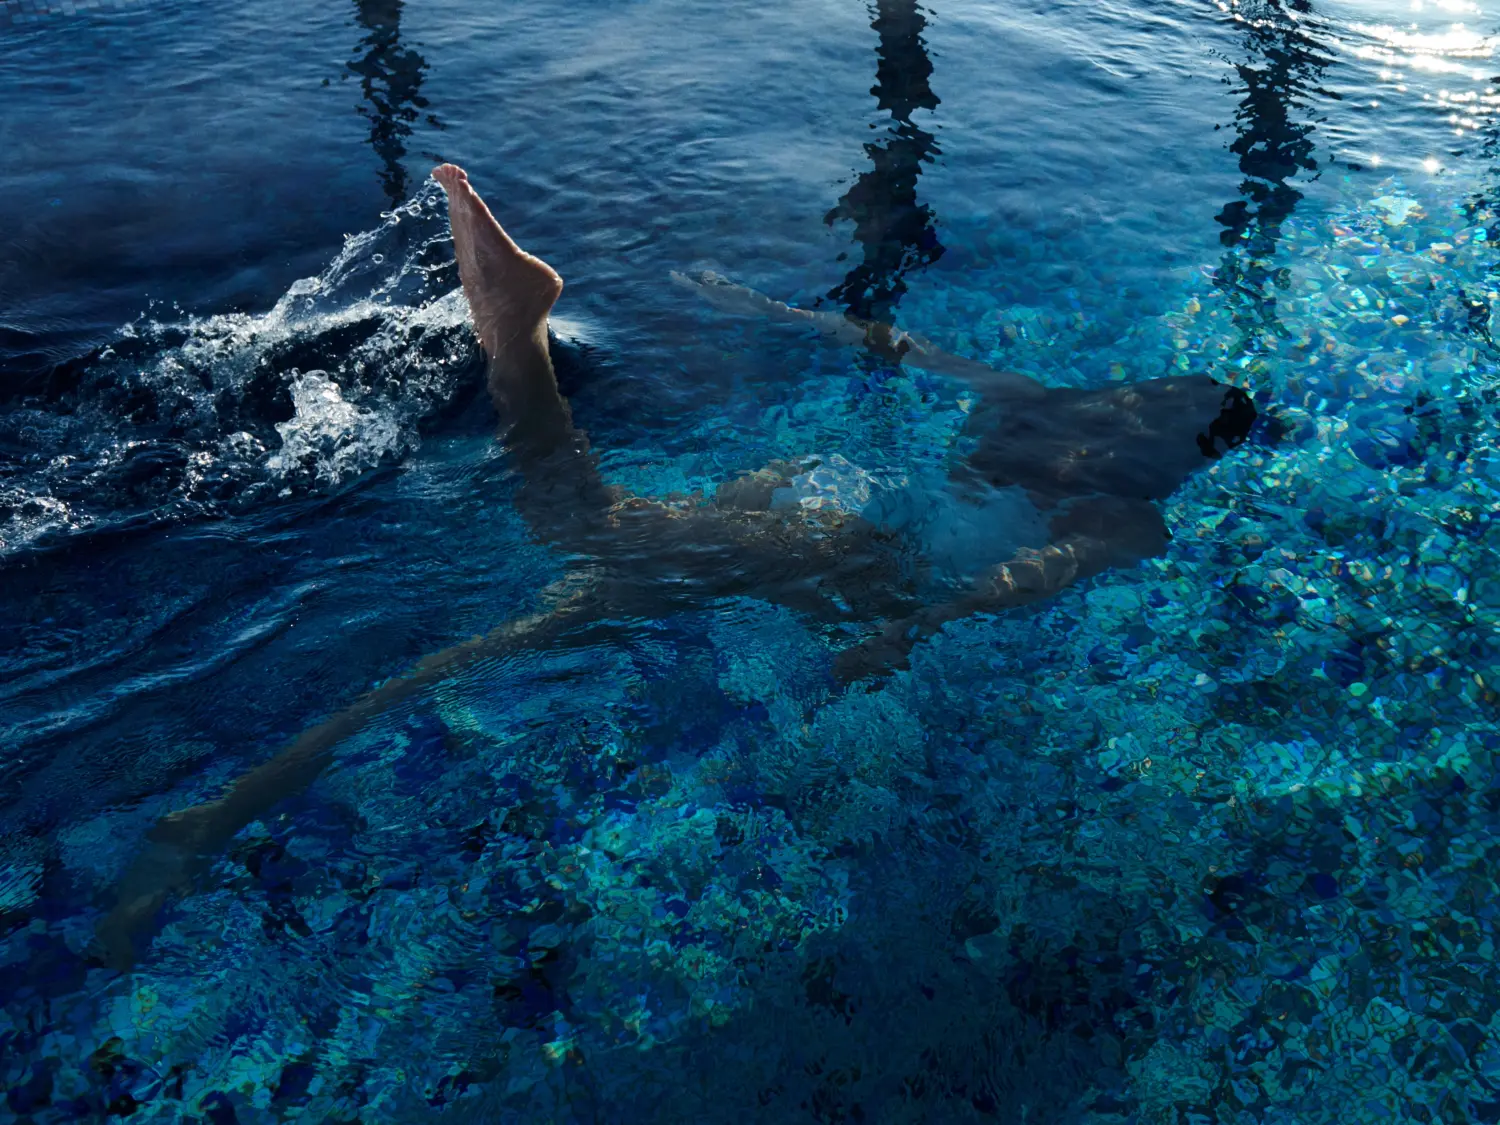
390	77
1484	207
1274	126
894	230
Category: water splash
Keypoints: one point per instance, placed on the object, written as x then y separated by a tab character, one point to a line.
181	418
329	438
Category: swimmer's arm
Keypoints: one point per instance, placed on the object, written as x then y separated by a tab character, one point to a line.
1030	576
1089	536
882	339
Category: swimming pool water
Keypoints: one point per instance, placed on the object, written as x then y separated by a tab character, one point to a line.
1208	839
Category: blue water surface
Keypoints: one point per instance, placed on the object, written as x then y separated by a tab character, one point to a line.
1209	839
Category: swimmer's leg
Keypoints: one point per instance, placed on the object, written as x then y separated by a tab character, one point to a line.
183	843
510	293
888	342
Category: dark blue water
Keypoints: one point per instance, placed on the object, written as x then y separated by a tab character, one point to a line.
1203	840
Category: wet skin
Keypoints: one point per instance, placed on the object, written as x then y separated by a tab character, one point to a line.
1093	462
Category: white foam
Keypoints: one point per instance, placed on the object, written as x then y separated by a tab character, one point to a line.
32	516
384	327
329	438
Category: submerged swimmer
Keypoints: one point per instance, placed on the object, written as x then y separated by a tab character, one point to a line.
1079	472
1086	465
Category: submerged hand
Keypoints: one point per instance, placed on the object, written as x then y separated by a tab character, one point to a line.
878	657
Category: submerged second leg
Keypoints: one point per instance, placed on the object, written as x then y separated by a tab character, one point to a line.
184	843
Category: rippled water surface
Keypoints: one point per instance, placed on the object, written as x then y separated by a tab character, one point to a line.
1209	838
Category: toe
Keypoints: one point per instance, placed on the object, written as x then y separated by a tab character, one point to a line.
450	176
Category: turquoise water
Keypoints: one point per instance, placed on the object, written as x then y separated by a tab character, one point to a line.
1203	839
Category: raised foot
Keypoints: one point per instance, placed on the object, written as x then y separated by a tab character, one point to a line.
510	291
